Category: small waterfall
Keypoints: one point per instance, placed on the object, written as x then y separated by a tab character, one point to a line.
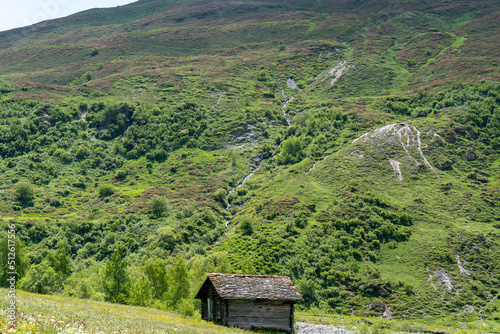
291	83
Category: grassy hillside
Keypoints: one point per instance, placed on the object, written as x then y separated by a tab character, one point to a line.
56	314
352	146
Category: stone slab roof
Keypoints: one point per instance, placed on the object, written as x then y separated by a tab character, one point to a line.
239	286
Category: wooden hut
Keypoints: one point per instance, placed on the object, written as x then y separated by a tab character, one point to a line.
249	301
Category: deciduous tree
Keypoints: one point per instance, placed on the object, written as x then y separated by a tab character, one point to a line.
116	281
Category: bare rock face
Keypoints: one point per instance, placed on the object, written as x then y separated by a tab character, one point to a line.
470	156
409	144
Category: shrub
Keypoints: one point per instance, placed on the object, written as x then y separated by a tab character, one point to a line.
186	307
80	182
179	282
300	222
24	193
220	195
291	151
41	278
84	289
121	174
156	272
307	288
63	155
375	244
157	155
141	292
5	88
82	152
246	227
157	205
267	150
105	190
311	207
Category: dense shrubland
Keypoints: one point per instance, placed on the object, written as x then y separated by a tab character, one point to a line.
157	251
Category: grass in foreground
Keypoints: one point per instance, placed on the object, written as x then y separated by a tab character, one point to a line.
55	314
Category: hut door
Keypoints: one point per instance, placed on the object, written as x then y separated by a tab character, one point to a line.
210	308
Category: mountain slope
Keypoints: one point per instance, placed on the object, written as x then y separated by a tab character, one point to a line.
351	145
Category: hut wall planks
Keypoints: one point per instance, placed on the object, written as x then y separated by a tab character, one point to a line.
260	314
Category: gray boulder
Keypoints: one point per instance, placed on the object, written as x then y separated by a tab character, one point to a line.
470	156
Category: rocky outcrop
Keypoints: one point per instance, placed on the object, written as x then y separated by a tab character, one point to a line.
470	156
404	136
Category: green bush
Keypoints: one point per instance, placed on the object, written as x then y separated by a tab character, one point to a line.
179	282
220	195
246	227
84	289
307	288
41	278
141	292
5	88
105	190
157	206
121	174
291	151
24	193
80	182
156	271
186	307
167	237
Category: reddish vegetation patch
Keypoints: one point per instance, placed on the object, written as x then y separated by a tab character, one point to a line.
346	195
482	36
465	69
324	216
364	117
282	207
135	207
421	48
374	42
151	192
476	59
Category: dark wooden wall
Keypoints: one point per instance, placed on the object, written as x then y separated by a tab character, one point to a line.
260	314
218	309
